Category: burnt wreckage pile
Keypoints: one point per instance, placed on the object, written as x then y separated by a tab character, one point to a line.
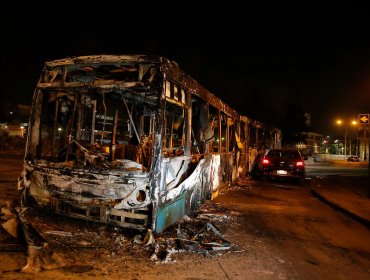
40	235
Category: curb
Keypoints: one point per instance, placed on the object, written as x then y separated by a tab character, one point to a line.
357	218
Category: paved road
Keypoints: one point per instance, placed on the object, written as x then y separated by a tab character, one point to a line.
340	167
310	239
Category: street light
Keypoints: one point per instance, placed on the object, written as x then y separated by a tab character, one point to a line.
340	122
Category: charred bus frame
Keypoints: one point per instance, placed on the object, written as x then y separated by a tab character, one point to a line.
131	141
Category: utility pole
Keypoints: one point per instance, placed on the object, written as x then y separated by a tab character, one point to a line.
365	148
345	123
363	119
345	142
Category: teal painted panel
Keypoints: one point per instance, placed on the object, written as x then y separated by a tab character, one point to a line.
170	213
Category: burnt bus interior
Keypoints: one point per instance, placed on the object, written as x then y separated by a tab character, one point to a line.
214	131
175	120
81	121
98	125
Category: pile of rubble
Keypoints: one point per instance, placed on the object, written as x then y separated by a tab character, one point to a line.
39	233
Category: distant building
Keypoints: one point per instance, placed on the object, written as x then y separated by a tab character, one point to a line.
311	143
13	124
14	113
13	130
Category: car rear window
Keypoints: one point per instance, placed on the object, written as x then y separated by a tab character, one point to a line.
284	154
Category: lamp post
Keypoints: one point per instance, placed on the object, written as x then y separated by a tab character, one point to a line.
340	122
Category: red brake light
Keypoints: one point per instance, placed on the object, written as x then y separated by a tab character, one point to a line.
299	163
265	161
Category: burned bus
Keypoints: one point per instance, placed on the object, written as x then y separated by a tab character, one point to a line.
128	140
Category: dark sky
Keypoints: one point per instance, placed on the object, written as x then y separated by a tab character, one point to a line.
260	59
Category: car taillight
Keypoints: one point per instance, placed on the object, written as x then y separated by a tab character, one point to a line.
299	163
265	161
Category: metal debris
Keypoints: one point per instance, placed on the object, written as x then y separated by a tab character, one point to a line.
11	226
196	234
59	233
163	255
149	238
39	255
207	239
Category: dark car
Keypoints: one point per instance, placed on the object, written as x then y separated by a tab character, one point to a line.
353	158
284	163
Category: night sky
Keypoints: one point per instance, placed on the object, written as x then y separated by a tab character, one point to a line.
262	60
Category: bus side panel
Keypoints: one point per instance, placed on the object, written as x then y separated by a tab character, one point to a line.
235	160
170	213
243	168
185	198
